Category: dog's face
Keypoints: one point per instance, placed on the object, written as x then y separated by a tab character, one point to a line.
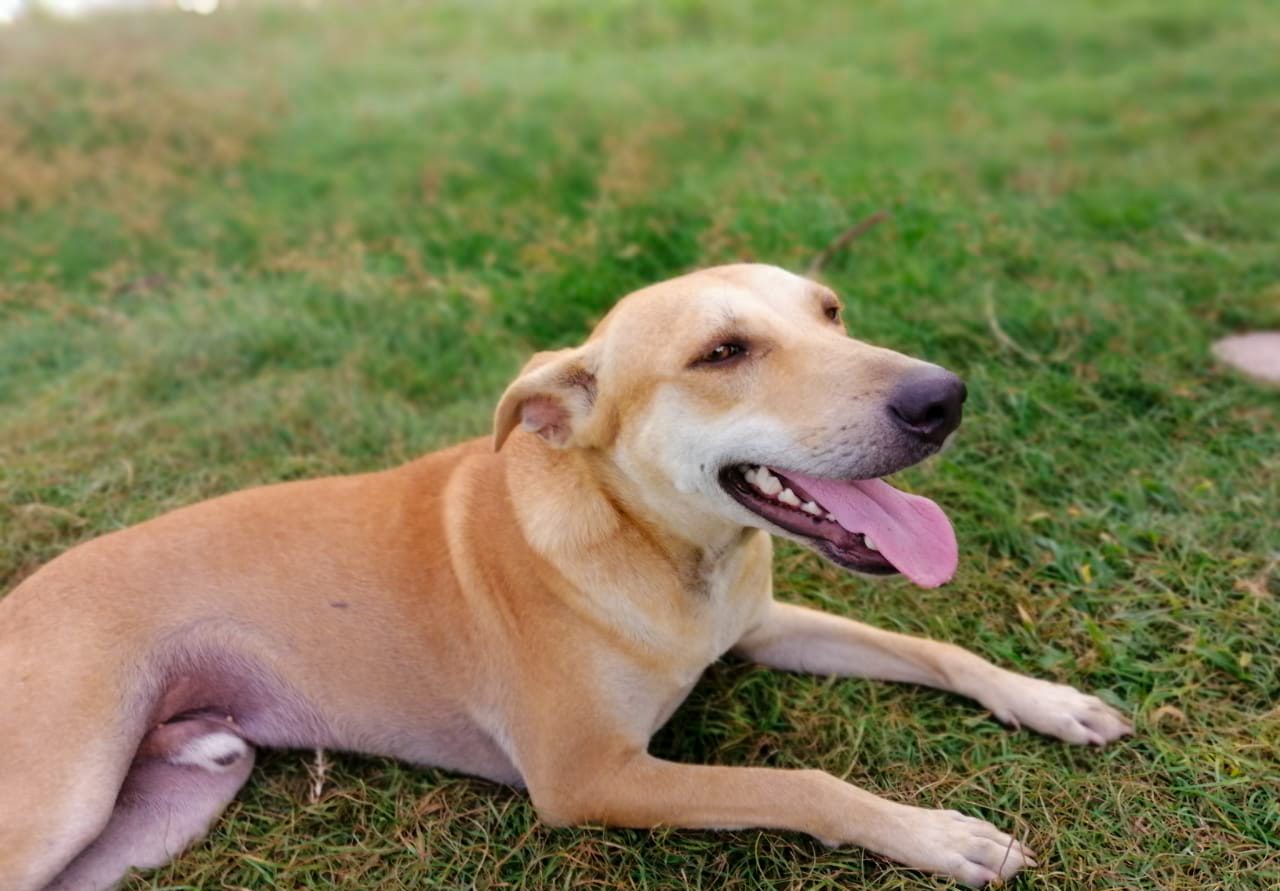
735	396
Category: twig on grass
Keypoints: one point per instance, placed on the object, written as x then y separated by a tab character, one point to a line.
39	509
317	770
1003	338
843	240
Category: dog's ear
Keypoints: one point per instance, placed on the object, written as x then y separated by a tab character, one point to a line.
553	397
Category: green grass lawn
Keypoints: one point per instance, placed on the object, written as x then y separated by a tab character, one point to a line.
281	242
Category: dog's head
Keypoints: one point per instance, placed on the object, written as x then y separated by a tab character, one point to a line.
734	395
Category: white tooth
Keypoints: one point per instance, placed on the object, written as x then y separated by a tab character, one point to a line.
789	497
750	475
810	508
767	482
871	545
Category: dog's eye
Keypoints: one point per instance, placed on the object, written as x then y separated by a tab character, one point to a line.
832	313
723	353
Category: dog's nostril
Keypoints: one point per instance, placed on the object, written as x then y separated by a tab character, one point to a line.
928	404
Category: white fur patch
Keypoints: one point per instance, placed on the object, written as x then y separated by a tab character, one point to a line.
213	752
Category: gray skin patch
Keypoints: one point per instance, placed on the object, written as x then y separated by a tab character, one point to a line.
218	684
1256	354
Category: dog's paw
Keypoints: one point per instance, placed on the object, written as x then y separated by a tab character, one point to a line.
1059	711
970	850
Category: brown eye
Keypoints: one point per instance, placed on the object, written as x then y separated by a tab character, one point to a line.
833	313
723	353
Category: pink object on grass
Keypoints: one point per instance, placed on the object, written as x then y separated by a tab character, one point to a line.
1257	354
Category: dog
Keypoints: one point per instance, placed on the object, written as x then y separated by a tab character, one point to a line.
528	607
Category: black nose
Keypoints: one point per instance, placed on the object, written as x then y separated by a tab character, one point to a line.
929	404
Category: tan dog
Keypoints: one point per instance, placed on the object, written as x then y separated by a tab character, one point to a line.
529	608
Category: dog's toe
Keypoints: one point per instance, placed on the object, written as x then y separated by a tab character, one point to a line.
970	850
1061	711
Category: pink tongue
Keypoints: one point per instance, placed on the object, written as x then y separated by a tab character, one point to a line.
911	532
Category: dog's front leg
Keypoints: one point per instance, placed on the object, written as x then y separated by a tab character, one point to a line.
640	791
799	639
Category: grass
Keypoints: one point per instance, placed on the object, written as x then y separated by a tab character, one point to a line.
281	241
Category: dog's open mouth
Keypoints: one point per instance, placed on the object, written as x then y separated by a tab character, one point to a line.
865	525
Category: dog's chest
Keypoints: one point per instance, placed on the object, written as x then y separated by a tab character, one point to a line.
727	598
724	602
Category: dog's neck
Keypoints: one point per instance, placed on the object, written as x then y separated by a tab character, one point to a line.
614	547
573	500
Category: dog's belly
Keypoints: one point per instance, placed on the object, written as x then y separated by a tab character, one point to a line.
454	743
271	712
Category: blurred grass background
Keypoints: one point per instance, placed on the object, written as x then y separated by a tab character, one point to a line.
284	241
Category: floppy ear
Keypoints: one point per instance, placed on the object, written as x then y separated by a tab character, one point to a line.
553	397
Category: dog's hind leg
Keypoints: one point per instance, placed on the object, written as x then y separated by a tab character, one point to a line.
50	813
185	773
